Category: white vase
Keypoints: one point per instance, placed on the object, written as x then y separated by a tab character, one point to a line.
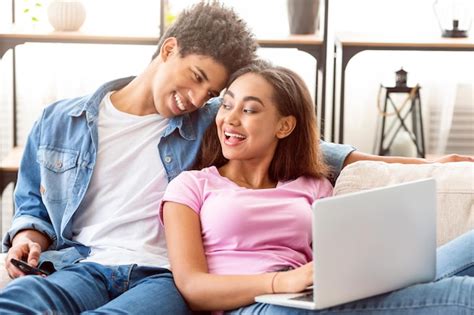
66	15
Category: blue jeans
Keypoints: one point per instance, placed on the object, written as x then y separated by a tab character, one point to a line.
95	289
451	293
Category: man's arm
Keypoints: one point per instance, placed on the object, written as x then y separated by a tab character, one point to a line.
355	156
31	231
338	156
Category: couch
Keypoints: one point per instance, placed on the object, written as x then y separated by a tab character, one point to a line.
455	192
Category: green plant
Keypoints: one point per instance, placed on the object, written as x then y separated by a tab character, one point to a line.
33	9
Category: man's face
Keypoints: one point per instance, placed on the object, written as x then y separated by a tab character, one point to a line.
184	84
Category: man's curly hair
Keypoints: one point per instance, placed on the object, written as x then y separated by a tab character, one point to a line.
210	29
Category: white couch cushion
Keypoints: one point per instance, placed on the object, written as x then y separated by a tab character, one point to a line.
4	278
455	189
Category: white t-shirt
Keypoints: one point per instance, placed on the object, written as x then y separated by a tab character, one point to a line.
118	216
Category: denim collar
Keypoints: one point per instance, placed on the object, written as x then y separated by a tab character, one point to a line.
91	106
184	125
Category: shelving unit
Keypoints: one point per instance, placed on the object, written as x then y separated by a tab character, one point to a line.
348	45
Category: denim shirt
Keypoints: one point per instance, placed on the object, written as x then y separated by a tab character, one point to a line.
59	159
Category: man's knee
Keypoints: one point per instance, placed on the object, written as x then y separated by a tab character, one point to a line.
28	284
24	295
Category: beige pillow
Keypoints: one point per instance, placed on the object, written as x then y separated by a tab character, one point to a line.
4	278
454	184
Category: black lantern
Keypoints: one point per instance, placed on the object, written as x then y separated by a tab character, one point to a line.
401	78
454	17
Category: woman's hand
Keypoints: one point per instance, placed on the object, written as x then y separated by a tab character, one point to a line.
295	280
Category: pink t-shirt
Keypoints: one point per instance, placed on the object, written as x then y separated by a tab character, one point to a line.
250	231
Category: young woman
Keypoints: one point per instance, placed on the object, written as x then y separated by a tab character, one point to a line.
241	227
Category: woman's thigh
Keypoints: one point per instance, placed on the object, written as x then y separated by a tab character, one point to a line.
456	258
447	296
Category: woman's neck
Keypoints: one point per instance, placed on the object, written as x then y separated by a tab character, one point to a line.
247	175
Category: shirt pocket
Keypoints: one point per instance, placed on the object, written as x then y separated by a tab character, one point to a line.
58	167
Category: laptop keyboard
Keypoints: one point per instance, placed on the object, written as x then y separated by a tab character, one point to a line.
308	297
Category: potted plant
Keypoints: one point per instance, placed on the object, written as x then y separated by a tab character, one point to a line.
33	10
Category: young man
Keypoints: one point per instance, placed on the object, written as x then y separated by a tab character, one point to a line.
95	168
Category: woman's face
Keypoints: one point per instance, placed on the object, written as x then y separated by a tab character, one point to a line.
248	122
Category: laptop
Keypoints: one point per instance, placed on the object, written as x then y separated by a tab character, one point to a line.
368	243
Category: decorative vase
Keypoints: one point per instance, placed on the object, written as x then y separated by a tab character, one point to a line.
303	16
66	15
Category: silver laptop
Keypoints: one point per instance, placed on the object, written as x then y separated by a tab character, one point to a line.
367	243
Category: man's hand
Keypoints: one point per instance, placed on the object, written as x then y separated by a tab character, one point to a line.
356	156
27	246
454	158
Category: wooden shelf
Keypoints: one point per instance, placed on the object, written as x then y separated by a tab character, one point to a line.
12	161
409	41
9	167
14	35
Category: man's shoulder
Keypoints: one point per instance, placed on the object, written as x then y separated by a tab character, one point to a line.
214	103
75	106
195	123
65	106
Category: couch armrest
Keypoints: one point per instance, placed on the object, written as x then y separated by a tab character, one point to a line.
455	189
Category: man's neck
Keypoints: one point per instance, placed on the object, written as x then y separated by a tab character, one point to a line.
135	98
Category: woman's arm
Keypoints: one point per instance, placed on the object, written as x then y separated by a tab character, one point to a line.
204	291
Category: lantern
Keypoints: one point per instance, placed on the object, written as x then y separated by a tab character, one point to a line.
401	78
454	17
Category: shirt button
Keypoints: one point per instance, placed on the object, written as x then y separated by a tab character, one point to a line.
168	159
59	164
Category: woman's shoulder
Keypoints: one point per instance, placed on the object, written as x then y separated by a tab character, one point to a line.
308	180
202	174
202	181
321	186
